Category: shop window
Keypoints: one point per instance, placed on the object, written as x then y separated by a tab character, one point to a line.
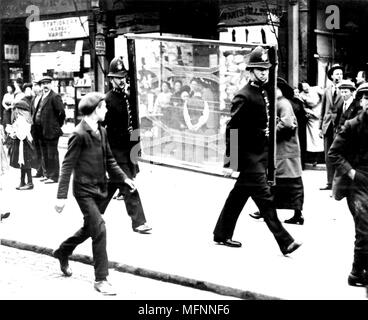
184	93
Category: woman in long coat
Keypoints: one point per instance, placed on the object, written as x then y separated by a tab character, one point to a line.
289	190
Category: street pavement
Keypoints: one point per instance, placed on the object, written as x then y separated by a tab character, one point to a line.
30	276
183	207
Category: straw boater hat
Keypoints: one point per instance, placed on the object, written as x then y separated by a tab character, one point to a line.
363	88
45	79
332	69
347	84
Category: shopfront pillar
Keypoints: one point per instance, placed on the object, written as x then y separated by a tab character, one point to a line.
293	40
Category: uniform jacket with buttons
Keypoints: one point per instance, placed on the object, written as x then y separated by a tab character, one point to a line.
246	140
88	157
117	121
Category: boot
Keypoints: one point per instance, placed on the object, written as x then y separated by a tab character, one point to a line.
358	275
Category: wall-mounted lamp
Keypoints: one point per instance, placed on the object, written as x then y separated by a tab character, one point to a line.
221	27
95	4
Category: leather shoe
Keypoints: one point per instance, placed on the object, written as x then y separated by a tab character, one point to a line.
20	186
28	186
144	228
229	243
292	247
295	220
357	279
44	179
37	175
256	215
64	263
49	181
4	215
328	187
104	287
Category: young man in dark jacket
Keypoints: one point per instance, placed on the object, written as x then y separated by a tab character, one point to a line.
89	158
349	156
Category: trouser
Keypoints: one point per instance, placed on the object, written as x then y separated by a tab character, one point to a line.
327	141
252	185
94	227
37	138
23	174
357	201
50	154
132	200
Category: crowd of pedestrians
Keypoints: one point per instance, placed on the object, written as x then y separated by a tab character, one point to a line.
101	157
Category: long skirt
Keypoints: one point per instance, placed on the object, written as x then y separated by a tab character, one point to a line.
289	193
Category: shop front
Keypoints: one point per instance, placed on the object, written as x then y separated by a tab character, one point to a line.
60	49
341	27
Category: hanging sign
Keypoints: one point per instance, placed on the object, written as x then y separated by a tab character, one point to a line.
100	44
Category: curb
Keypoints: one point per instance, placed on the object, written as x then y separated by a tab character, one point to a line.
147	273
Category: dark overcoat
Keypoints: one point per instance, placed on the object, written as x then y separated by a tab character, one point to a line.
52	116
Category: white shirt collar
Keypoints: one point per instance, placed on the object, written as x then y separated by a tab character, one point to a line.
92	124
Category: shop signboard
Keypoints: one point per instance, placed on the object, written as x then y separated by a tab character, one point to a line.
100	45
58	29
253	12
24	8
11	52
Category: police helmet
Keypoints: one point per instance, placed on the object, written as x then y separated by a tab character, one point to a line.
258	58
117	68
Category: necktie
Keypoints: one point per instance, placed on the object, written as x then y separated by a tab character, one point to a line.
345	106
334	94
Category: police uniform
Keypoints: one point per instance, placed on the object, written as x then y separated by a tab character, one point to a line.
120	122
249	117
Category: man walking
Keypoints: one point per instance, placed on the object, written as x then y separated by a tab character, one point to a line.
89	157
349	154
332	101
120	122
48	119
249	155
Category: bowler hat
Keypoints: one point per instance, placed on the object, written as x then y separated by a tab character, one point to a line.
332	69
90	101
258	58
347	84
45	79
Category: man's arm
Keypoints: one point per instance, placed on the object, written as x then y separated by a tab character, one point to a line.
340	148
69	162
59	109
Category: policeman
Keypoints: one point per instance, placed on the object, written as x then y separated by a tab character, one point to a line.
122	127
247	151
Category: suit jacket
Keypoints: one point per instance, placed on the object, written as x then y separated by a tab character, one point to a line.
352	111
330	110
350	146
89	157
246	140
349	150
52	116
